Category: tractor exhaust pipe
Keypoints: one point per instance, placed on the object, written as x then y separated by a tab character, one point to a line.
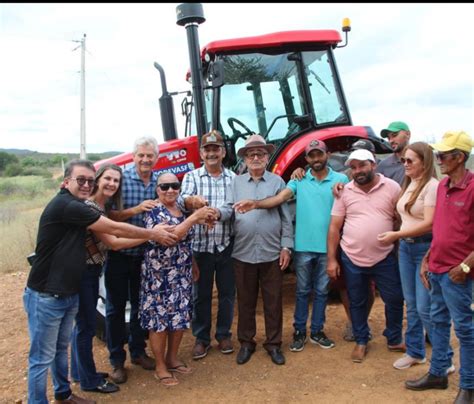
190	15
168	120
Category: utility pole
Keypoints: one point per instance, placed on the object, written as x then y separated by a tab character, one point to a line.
82	42
83	98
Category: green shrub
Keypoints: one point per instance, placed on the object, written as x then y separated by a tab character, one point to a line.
6	159
27	187
13	169
39	171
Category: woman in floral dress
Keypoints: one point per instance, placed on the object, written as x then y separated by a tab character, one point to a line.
166	282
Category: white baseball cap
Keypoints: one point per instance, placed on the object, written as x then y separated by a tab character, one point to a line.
360	154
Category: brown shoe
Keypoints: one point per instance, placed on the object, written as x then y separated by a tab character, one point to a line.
200	350
397	348
359	352
73	399
225	346
119	375
145	362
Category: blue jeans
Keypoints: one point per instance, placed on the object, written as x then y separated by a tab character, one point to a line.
220	264
311	276
82	357
50	321
387	279
452	300
417	298
122	282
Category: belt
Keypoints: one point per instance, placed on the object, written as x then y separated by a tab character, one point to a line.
425	238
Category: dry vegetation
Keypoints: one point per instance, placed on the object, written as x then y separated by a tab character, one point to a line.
22	199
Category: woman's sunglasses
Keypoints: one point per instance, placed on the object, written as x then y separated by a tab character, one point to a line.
407	161
166	186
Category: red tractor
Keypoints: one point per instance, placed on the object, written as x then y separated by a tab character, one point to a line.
283	85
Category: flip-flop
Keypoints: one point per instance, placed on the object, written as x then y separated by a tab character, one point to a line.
183	368
167	381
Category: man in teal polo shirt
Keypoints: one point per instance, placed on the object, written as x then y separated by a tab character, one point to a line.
314	200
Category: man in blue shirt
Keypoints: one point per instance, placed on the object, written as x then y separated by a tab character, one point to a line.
123	268
314	200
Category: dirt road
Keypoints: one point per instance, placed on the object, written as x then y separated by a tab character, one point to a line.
313	375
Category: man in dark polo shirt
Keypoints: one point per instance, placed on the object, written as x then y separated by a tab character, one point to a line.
448	267
51	296
398	134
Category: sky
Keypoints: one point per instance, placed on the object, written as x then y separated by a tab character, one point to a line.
408	62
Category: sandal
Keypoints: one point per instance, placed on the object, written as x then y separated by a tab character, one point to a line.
167	381
182	368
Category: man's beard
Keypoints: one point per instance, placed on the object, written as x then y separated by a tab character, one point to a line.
363	179
319	166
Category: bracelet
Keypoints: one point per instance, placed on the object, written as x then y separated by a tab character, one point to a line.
287	249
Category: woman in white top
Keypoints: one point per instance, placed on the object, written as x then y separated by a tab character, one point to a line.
415	207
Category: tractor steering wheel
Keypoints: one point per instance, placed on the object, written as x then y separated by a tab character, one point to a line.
236	133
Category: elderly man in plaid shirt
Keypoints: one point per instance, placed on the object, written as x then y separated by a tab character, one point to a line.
211	248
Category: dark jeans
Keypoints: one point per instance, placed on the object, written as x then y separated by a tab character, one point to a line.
122	282
220	264
387	279
248	279
82	357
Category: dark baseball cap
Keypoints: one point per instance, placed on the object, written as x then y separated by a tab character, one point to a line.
363	144
316	145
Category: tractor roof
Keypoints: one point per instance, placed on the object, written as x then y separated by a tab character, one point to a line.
274	40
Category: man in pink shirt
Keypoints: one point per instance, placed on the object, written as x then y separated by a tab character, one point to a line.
448	267
365	209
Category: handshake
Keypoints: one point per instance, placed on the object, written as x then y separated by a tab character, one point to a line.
206	215
203	213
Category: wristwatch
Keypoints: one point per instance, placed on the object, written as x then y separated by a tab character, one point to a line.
465	268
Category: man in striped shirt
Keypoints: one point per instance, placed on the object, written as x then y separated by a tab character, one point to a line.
212	248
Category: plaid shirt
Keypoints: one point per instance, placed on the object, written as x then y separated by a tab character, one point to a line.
134	192
215	190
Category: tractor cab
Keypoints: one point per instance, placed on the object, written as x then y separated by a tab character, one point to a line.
284	86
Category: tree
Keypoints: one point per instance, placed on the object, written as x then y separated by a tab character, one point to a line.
7	158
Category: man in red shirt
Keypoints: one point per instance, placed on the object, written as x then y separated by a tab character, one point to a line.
448	267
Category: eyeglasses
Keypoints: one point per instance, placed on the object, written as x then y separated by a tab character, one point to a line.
81	181
166	186
406	160
259	155
441	156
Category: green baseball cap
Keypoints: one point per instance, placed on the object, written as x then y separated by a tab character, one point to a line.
394	127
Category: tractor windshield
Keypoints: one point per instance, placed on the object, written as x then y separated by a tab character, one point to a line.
277	95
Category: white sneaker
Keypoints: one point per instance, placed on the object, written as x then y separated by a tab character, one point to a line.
407	361
450	370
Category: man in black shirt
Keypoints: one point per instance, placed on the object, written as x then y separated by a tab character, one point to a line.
51	296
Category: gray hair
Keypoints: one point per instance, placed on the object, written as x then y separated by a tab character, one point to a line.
77	163
146	141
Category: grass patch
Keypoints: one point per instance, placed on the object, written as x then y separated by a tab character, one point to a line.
22	200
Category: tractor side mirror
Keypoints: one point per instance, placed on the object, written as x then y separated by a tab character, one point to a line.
216	73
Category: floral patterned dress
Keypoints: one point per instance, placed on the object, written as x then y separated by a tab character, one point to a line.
166	281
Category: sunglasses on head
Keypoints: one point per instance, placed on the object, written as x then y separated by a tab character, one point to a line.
442	155
166	186
82	180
